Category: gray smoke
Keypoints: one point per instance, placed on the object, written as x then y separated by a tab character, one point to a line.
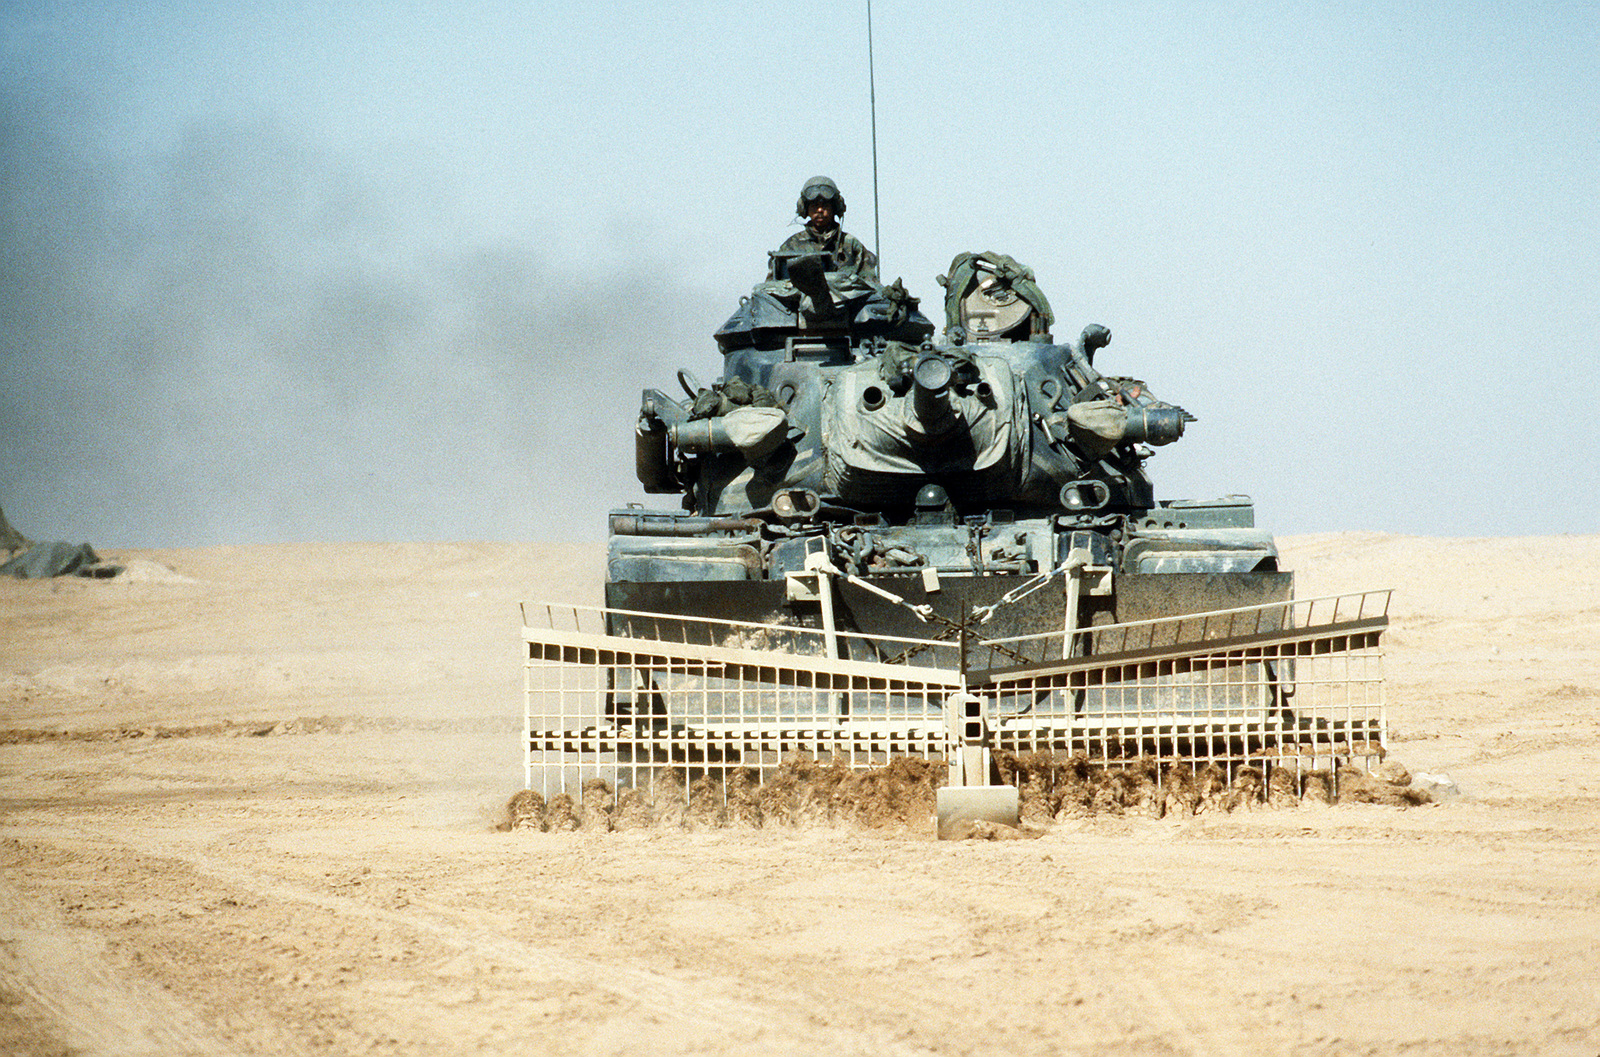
248	340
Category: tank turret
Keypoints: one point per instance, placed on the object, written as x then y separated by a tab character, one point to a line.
839	426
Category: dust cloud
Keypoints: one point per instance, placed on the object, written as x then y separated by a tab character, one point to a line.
245	339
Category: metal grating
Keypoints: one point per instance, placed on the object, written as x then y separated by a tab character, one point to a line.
1295	684
1287	682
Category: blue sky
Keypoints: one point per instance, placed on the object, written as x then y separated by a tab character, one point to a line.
376	271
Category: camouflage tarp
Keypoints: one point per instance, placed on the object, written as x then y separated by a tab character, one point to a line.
10	539
44	560
963	276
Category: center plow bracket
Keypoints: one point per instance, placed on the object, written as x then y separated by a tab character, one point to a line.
969	794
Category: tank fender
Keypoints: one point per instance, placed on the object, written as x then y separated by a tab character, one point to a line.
1201	551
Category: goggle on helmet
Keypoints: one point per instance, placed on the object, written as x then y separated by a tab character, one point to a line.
820	189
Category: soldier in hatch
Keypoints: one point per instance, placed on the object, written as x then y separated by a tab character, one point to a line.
823	279
821	205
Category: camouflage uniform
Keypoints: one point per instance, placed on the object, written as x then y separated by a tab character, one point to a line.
848	254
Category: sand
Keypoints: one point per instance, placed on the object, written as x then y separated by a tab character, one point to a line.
248	798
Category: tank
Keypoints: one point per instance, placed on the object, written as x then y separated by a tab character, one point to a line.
992	482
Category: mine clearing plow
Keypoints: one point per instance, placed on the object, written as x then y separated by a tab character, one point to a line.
1293	684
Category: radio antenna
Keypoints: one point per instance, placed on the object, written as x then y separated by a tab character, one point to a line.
872	96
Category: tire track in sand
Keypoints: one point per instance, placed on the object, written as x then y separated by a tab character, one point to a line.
703	1006
91	1006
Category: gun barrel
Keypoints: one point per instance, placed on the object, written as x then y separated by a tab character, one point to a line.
1154	425
930	394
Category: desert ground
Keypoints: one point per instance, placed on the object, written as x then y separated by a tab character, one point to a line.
248	799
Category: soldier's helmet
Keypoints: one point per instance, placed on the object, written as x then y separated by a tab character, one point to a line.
820	188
